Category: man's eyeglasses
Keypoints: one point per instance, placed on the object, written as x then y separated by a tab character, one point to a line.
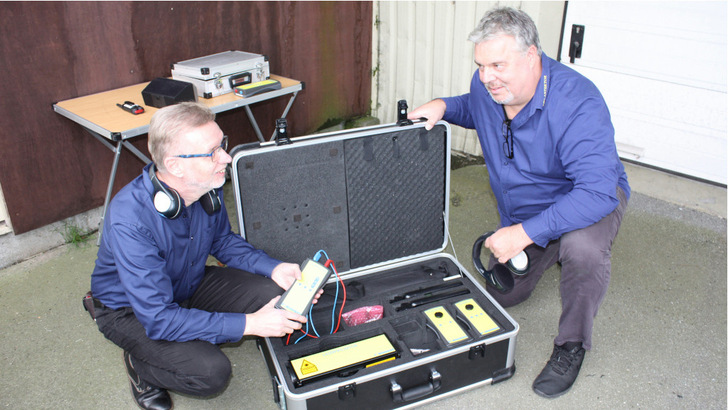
214	155
508	143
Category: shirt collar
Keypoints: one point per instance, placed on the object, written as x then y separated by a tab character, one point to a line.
543	84
538	101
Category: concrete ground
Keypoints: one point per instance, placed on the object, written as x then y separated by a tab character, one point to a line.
659	338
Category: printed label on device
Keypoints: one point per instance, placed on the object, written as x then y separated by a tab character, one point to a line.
444	323
299	296
477	317
372	351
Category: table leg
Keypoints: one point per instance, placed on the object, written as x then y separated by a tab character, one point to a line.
254	124
110	188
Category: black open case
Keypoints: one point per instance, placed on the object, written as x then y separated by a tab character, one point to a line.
376	201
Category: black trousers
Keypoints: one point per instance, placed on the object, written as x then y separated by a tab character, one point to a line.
194	367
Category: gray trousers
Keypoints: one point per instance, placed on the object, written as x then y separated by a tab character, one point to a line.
585	257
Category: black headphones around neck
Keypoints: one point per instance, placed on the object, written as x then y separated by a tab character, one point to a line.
501	276
168	202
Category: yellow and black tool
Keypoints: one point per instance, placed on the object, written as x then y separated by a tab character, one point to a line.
366	352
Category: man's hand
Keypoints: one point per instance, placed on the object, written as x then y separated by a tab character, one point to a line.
507	242
433	111
272	322
286	273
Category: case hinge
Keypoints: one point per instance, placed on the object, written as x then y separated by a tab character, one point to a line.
282	132
402	113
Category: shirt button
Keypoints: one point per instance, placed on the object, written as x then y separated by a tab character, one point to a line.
505	162
505	192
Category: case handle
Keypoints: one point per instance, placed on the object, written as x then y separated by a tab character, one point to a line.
433	384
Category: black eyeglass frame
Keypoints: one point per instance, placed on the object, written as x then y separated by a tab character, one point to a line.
508	143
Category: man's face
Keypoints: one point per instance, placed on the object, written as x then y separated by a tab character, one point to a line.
203	174
505	70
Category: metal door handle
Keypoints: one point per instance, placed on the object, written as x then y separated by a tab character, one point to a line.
577	42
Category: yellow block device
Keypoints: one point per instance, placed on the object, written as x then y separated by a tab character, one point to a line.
251	89
368	351
476	316
444	323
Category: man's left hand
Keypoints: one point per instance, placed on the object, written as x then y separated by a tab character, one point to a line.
507	242
286	273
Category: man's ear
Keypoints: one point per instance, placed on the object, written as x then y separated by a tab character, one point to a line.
533	57
174	166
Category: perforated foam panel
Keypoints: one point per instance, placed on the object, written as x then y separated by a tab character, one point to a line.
294	202
396	185
363	200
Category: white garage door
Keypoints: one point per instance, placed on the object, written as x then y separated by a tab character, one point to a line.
662	68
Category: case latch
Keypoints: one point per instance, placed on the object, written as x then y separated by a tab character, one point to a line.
402	113
347	392
476	352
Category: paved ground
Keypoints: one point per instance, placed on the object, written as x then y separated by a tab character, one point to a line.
659	338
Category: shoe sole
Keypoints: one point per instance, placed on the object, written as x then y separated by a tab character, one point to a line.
550	396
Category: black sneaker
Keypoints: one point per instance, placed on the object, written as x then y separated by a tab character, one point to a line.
561	371
146	395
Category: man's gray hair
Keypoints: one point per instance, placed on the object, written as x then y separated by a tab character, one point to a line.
172	121
512	22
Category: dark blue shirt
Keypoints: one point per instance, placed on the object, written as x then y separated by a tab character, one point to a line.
152	264
565	169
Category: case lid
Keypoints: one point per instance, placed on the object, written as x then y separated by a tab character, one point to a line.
368	196
220	64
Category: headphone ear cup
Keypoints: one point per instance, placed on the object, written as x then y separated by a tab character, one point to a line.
502	278
211	202
499	277
167	201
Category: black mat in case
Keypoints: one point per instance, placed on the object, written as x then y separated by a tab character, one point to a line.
375	200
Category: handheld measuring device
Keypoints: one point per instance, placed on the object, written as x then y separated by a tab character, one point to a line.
476	316
299	296
445	325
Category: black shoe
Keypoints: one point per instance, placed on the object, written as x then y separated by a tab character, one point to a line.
561	371
146	395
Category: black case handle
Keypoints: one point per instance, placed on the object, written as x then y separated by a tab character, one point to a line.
433	384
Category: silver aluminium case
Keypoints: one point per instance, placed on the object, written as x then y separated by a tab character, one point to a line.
391	383
211	75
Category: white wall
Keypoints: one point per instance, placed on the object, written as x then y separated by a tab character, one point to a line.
421	51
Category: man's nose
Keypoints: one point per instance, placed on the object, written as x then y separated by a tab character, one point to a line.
486	75
226	159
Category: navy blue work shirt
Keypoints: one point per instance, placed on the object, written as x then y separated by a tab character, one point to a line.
152	264
565	169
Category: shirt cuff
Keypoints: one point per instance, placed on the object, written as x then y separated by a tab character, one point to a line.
537	229
266	265
233	328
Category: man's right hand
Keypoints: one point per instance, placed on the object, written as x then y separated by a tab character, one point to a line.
433	111
271	322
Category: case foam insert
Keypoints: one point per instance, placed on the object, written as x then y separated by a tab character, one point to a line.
294	201
363	200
